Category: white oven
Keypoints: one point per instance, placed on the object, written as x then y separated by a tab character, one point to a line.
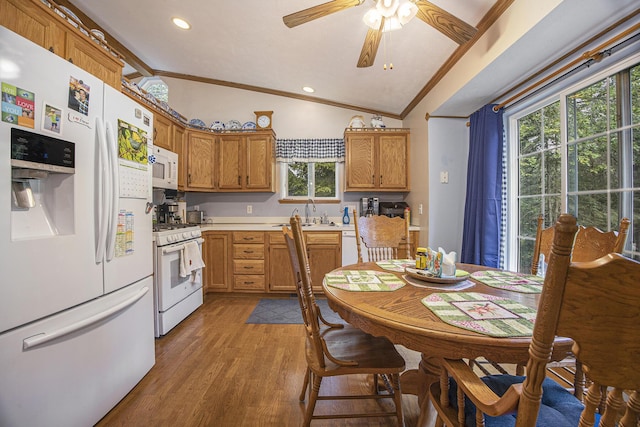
175	297
164	166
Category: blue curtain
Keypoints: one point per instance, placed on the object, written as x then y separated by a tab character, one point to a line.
483	204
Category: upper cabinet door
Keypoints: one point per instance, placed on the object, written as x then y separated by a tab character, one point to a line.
230	167
360	151
200	161
259	163
162	132
393	162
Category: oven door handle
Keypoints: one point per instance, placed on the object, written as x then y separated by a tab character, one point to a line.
177	248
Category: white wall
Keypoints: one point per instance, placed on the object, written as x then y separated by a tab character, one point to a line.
448	152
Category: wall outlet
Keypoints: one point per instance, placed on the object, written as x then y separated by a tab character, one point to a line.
249	209
196	207
444	177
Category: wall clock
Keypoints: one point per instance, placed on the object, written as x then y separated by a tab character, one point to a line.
263	119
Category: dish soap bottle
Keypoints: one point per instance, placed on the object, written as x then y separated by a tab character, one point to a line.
345	217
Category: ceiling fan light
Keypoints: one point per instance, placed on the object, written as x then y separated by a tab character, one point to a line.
373	19
387	8
406	12
391	24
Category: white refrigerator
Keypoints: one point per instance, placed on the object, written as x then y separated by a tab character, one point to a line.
76	304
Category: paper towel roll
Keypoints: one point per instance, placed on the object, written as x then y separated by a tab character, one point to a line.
182	210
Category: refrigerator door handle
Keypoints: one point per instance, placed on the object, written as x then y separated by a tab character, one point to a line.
112	146
45	337
103	189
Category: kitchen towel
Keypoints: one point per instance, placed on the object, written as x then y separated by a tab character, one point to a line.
190	260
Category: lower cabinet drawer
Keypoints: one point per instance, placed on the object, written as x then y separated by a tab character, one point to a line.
248	282
248	266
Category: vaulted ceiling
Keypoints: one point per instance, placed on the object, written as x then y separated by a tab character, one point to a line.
246	44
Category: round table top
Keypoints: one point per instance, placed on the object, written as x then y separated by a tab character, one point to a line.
400	316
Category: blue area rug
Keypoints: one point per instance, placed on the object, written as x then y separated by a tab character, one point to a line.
287	311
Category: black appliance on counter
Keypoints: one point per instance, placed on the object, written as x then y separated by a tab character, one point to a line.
393	209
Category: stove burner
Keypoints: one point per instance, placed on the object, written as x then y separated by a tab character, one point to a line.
165	227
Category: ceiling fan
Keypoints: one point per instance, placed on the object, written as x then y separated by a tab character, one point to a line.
451	26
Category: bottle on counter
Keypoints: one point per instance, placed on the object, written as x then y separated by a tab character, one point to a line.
345	217
421	258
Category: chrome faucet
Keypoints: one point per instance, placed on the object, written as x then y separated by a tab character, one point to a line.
295	211
306	210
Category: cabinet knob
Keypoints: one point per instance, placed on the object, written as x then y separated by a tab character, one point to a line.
51	49
70	60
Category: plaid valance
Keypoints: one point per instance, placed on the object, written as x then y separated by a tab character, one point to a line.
310	150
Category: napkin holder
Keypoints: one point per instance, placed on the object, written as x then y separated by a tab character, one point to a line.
448	262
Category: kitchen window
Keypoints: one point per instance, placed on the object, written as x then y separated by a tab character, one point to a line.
309	168
579	152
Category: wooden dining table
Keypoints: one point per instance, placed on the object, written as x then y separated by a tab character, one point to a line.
401	316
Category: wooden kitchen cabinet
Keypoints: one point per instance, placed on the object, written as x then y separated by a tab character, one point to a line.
162	132
248	261
179	143
280	271
200	157
377	160
324	250
37	22
246	162
216	259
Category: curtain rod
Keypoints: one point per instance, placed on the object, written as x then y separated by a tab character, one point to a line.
592	55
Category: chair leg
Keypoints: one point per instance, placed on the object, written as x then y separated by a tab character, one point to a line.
313	397
397	398
305	385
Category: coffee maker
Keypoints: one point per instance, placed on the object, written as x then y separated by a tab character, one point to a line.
369	206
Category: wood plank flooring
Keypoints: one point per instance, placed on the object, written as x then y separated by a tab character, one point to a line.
215	370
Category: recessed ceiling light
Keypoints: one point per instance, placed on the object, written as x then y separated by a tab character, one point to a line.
308	89
181	23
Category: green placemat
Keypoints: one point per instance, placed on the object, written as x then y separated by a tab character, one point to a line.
364	280
396	264
510	281
486	314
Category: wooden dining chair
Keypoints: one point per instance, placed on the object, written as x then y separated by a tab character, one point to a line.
597	305
590	243
340	351
382	237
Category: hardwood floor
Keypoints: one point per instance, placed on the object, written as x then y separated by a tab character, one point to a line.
215	370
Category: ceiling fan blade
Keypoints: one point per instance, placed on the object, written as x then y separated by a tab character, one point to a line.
370	47
452	27
318	11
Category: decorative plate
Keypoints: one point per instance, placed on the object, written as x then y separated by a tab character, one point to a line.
217	125
197	122
357	121
249	125
233	125
428	277
98	34
71	14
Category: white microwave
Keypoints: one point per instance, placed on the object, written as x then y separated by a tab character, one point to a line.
164	166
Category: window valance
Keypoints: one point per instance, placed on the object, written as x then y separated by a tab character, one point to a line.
310	150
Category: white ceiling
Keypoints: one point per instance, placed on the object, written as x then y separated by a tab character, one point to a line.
246	42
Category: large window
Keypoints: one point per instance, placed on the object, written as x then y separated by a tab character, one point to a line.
579	152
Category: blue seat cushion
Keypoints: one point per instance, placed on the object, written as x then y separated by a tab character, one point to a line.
559	408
